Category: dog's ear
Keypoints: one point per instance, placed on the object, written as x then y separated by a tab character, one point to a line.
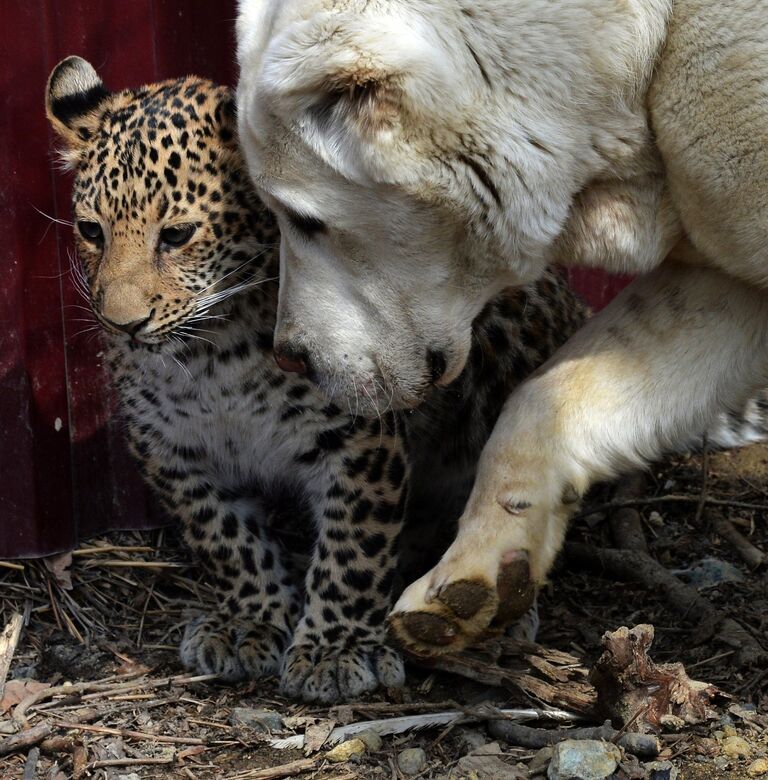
358	89
72	100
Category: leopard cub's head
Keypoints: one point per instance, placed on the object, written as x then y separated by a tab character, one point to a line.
166	222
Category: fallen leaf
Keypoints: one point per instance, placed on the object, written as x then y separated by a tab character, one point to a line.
60	567
192	751
18	690
132	668
316	735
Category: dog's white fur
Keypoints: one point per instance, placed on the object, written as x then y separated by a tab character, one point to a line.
432	138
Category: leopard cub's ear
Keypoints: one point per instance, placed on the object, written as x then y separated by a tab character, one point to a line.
72	100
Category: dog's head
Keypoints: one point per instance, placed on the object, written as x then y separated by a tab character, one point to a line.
366	130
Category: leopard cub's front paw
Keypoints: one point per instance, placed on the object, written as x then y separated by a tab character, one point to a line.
234	649
342	671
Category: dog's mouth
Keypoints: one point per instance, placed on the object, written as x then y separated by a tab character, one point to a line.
383	389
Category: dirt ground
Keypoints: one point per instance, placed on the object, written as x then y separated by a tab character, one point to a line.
95	688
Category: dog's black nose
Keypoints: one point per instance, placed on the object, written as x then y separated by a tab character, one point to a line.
292	360
437	364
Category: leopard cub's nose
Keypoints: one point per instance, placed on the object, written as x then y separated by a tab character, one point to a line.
131	328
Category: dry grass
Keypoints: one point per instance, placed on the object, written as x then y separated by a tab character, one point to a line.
102	624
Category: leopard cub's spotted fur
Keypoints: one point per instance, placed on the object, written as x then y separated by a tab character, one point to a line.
181	270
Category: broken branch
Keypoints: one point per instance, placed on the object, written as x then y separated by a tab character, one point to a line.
641	745
633	566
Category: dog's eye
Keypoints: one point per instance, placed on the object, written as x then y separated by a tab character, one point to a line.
309	226
90	231
178	235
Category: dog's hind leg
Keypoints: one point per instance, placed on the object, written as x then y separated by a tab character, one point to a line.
645	375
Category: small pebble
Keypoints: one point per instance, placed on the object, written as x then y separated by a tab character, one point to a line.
371	739
346	750
655	519
661	770
486	768
758	768
721	763
736	747
489	749
729	730
471	739
258	720
583	759
411	761
540	761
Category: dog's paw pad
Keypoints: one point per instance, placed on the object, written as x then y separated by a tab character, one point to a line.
465	598
415	628
515	588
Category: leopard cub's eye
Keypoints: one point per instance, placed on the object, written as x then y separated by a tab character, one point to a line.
178	235
90	231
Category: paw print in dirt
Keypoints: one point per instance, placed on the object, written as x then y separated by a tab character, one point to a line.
235	649
340	671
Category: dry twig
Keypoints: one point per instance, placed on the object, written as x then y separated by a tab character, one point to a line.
669	499
747	551
704	482
128	734
108	762
291	769
30	767
9	639
99	688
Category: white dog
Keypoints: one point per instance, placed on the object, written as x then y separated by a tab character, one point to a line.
406	145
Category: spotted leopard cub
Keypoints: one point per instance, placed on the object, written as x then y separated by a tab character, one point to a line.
180	266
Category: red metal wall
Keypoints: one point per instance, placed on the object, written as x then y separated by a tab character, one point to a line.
64	471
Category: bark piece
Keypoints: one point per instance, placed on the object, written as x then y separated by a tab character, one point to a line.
639	693
552	676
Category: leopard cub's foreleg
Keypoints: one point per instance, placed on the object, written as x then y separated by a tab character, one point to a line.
340	647
259	604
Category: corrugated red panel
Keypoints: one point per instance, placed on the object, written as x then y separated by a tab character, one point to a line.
64	470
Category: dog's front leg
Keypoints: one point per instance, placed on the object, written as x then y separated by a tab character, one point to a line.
647	374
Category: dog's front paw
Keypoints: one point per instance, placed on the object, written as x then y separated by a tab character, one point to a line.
504	549
451	606
234	649
342	671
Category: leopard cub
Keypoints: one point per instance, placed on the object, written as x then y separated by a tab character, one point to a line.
179	263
